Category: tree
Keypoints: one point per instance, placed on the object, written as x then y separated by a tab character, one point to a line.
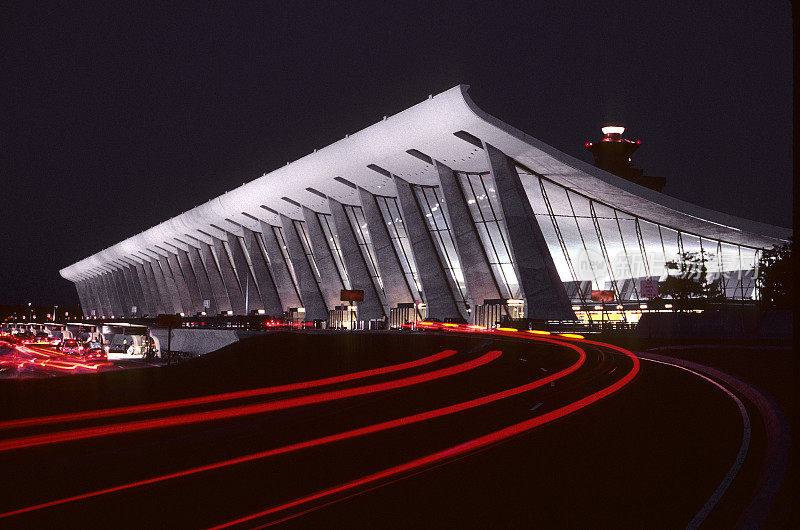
690	285
775	277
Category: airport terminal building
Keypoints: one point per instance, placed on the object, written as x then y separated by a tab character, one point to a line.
440	211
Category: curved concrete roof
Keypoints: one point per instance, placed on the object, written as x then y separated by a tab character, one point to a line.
429	128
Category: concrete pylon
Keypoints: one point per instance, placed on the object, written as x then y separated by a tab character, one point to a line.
100	303
310	292
223	303
372	308
204	284
330	282
164	274
395	285
287	291
437	285
247	282
111	293
195	298
157	285
180	283
270	298
229	277
481	283
544	294
134	294
122	289
83	298
150	298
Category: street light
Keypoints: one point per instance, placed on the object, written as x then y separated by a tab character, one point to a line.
30	311
54	312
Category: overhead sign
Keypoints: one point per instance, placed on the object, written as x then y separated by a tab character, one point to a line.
602	296
352	295
648	289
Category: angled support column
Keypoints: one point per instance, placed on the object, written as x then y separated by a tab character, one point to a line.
437	285
203	278
330	281
280	269
223	303
169	294
252	295
157	287
133	289
189	276
113	296
481	283
229	277
263	277
545	296
99	296
151	298
360	278
91	301
102	292
174	278
310	293
80	286
169	282
397	289
122	288
91	298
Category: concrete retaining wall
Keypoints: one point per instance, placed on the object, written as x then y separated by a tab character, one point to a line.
197	341
730	325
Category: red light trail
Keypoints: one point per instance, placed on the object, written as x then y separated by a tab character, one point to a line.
378	427
235	412
448	454
200	400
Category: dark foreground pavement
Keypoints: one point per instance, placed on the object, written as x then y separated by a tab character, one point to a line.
648	456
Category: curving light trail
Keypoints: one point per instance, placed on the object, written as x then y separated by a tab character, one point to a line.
423	463
378	427
235	412
200	400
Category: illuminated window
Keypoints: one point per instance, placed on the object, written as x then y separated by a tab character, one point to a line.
302	231
359	225
484	206
430	201
333	243
402	246
285	252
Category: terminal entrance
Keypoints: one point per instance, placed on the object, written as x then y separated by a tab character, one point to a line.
492	313
407	314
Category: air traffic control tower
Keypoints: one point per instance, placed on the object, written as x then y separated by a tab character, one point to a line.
613	154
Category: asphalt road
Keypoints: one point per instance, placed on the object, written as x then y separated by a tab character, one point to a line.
482	431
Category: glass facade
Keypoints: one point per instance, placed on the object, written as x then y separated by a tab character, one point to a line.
480	193
430	201
359	225
333	243
402	246
302	231
603	254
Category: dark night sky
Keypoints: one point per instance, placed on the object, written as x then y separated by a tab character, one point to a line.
119	118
